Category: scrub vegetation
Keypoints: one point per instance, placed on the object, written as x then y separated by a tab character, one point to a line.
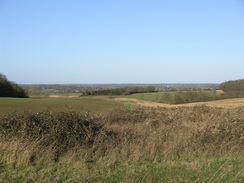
186	144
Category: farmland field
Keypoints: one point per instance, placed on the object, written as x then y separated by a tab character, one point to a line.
163	97
82	104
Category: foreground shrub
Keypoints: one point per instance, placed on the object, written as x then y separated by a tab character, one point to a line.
178	132
138	134
58	131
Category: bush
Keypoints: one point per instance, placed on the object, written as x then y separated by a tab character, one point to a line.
59	131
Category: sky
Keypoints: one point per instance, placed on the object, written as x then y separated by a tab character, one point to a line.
121	41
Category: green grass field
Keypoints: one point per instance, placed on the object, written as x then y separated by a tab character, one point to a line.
82	104
162	97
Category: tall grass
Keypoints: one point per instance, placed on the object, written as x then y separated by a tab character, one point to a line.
136	142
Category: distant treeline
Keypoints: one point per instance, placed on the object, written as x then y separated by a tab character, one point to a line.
236	86
232	89
121	91
10	89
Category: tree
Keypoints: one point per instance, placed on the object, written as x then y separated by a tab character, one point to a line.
10	89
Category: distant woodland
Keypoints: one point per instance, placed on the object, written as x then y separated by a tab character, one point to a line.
236	86
10	89
121	91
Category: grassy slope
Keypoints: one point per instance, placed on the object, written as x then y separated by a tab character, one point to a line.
162	97
8	105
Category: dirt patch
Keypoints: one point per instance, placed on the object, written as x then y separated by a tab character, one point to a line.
61	96
219	92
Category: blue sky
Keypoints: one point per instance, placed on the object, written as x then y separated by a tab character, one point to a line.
122	41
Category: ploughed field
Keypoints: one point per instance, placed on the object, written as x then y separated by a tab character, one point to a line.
56	140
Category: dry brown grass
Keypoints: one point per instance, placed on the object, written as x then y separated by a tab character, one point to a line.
177	132
124	137
219	92
137	134
236	102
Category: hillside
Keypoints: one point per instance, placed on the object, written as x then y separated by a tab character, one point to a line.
233	86
10	89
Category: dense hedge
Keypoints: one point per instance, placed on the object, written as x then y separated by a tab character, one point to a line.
61	131
121	91
10	89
